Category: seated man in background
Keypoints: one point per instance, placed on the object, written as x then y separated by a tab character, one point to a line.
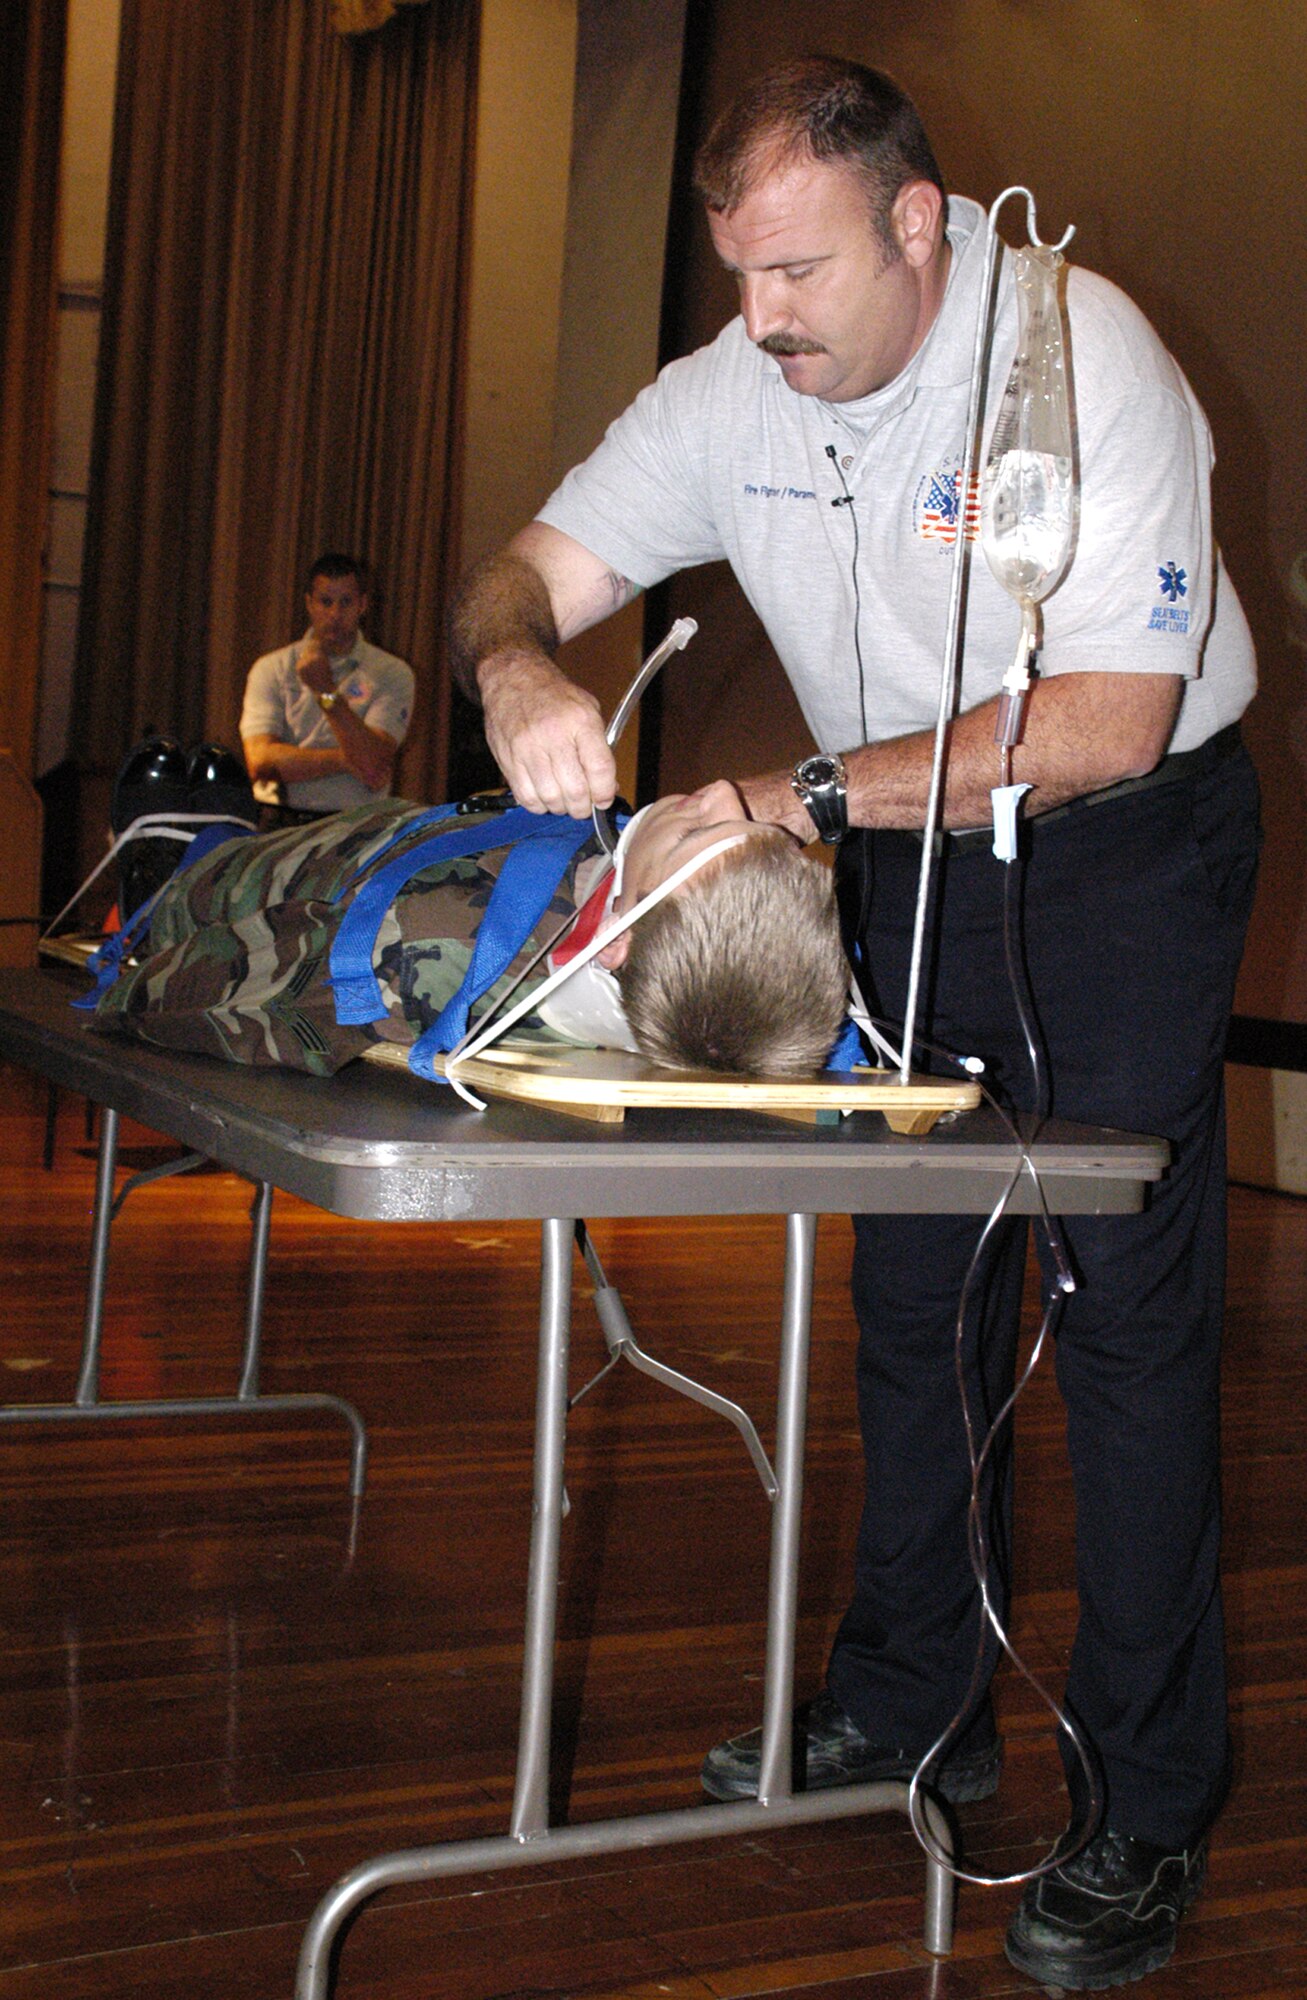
325	716
739	970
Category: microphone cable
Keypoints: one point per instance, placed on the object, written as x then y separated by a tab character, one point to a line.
846	500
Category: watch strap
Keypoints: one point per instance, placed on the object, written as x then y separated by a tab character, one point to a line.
819	782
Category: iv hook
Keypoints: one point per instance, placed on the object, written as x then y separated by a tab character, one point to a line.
1031	226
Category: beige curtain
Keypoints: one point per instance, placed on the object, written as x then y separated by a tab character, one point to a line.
284	275
32	36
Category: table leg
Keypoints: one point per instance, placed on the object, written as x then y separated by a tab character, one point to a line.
532	1840
531	1790
774	1777
88	1381
87	1406
260	1227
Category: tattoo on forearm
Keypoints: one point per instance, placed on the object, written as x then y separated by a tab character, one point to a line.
621	589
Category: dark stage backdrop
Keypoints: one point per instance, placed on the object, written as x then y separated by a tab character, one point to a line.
283	292
32	37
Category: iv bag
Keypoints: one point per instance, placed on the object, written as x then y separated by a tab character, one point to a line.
1027	502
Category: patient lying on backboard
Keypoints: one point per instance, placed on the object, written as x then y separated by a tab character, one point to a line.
739	970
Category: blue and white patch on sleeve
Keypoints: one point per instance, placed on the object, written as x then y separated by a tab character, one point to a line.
1170	615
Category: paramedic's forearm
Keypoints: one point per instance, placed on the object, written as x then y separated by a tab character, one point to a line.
502	611
1082	732
539	590
545	733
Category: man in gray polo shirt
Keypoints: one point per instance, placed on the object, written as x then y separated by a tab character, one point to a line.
325	717
817	445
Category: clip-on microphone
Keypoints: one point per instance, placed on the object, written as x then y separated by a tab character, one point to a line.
846	498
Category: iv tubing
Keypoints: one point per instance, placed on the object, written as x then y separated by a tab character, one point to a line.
951	668
1061	1284
676	641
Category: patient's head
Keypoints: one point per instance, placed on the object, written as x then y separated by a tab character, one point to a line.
741	969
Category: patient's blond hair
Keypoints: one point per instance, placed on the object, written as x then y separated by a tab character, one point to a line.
743	971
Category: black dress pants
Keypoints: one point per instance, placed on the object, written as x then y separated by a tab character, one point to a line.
1133	920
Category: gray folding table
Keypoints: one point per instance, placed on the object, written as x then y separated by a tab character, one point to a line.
380	1145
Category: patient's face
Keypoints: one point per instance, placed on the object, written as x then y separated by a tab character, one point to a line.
674	830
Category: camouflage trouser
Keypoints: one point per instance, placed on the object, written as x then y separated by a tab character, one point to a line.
238	949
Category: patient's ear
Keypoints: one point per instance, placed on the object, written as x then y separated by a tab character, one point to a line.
614	954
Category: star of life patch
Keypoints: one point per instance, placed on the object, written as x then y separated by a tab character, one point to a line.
1171	615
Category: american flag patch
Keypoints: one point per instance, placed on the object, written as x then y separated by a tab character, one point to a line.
936	506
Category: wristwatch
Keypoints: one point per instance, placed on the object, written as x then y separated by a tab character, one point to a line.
326	702
820	783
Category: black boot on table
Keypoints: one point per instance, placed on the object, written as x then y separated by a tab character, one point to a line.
218	782
151	779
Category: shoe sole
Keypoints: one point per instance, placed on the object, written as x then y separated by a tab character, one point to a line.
1049	1969
958	1787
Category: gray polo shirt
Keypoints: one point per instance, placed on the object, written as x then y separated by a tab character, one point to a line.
378	687
719	458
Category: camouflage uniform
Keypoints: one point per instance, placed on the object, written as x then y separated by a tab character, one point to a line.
239	945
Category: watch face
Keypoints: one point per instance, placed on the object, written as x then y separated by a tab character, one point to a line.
820	783
820	770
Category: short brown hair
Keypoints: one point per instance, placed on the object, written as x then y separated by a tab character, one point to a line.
336	565
746	972
825	109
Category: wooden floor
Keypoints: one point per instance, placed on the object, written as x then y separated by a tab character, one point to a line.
210	1707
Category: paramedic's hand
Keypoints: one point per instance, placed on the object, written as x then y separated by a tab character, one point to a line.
313	666
546	734
771	801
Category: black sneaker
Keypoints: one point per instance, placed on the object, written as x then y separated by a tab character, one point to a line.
1107	1915
830	1749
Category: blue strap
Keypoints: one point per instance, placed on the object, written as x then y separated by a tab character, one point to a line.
848	1047
106	961
208	838
542	845
526	884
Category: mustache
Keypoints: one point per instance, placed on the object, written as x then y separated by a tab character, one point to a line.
788	344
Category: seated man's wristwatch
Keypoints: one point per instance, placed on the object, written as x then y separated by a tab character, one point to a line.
821	783
326	702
